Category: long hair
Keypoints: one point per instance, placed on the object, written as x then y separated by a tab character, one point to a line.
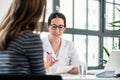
22	16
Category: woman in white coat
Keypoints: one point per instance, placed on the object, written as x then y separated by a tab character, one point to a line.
63	51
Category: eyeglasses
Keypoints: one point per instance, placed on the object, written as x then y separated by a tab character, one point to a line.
60	27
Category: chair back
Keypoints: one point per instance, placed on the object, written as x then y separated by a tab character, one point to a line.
30	77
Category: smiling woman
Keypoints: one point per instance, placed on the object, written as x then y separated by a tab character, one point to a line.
63	50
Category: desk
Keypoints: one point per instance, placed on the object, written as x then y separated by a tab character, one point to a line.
86	77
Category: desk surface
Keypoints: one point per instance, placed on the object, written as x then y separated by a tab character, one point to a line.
86	77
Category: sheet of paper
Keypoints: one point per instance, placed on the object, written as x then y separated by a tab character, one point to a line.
64	69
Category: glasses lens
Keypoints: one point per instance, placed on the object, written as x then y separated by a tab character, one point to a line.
54	26
61	27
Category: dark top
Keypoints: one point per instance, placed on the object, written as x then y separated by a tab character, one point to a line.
25	54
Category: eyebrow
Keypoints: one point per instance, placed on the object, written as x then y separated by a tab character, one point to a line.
57	25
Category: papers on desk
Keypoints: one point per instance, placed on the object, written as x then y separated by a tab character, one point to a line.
63	69
86	77
78	77
70	76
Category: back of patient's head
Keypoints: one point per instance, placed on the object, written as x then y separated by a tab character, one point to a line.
55	15
22	16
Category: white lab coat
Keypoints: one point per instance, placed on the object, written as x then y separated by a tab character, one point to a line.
67	54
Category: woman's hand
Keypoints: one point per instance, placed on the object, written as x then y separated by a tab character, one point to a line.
74	70
50	61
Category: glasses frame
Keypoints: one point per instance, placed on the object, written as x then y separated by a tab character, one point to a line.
60	27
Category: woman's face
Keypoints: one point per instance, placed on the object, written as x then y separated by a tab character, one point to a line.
56	28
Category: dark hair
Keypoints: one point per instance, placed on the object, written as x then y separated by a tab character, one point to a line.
22	16
54	15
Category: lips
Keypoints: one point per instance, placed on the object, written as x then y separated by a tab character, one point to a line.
56	35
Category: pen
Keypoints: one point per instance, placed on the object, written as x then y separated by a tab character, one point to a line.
51	56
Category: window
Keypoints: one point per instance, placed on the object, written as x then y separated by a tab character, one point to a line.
4	5
83	20
111	41
112	13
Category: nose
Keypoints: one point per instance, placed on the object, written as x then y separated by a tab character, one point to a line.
57	29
